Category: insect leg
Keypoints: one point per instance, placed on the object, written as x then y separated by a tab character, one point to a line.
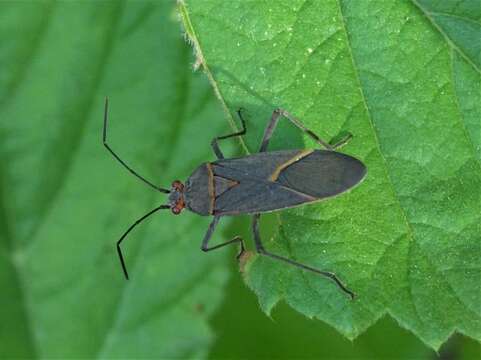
214	143
209	233
138	221
261	250
342	142
276	116
123	163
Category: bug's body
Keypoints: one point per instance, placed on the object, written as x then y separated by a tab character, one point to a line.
270	181
258	183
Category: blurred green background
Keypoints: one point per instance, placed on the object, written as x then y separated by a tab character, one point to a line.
64	202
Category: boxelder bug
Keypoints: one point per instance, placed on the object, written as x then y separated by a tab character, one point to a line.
255	184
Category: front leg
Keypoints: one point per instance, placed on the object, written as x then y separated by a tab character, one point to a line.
215	144
205	243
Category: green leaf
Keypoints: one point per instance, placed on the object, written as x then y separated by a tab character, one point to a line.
293	336
408	239
460	23
64	201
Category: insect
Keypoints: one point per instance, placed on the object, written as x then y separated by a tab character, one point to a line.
256	184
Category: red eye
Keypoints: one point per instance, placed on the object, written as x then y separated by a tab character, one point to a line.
176	211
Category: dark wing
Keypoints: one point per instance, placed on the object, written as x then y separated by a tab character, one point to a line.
274	181
323	174
251	196
257	166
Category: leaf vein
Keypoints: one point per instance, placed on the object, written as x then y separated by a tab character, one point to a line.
427	14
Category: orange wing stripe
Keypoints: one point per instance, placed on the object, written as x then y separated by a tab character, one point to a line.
297	157
211	188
